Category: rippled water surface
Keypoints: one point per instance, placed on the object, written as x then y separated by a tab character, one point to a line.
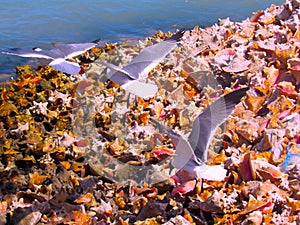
40	23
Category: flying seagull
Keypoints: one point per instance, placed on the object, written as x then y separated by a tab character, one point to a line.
57	56
130	75
191	154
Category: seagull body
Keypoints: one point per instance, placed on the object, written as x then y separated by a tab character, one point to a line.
58	56
130	75
191	154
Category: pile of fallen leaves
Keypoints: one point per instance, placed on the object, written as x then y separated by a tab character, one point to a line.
60	134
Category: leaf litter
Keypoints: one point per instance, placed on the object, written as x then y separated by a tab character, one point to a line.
72	147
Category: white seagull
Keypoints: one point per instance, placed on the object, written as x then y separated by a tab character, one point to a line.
191	154
129	76
58	56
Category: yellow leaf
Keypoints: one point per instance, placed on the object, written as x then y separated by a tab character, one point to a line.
6	108
66	164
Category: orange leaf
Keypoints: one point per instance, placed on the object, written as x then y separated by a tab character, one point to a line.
287	89
254	102
36	179
3	206
81	218
294	204
66	164
185	187
87	198
144	118
163	151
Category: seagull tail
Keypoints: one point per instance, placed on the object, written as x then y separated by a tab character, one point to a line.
96	41
177	35
100	43
141	89
192	170
65	66
213	173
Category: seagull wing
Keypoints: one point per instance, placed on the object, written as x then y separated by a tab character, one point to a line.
129	83
114	69
210	119
141	89
191	156
117	74
67	51
149	57
27	53
186	161
65	66
184	151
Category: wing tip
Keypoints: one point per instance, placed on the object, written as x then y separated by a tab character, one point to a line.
99	42
141	89
236	95
177	35
96	41
9	51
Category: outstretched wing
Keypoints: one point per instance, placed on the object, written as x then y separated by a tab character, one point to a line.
65	66
149	57
184	151
117	74
27	53
205	125
71	50
141	89
129	83
64	51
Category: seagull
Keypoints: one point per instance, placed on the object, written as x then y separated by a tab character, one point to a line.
129	76
191	154
57	56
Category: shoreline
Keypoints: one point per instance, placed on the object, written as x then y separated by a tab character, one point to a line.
60	134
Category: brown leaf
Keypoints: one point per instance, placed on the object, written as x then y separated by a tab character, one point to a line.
152	209
238	64
212	204
254	204
245	168
146	191
104	209
32	219
82	86
248	130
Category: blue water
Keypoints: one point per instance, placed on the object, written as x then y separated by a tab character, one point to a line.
40	23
